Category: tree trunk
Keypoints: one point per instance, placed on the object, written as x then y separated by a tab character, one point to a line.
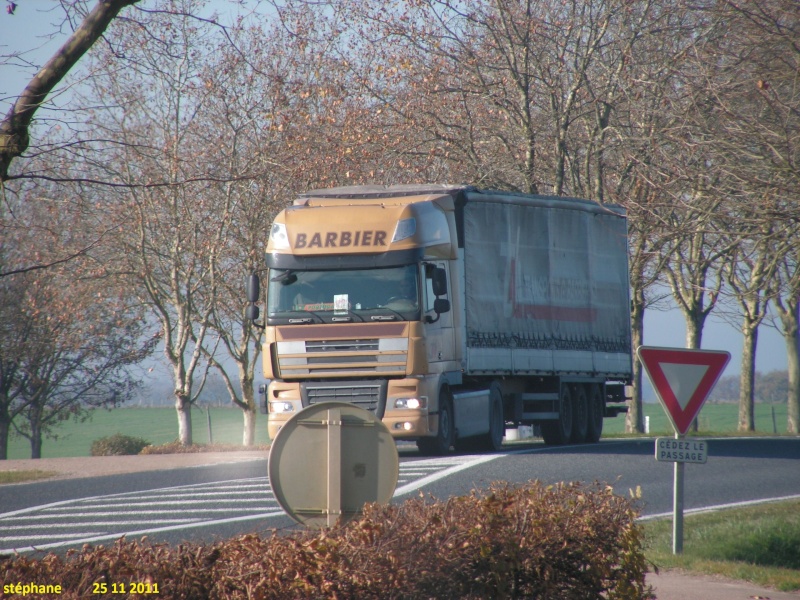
694	339
247	404
5	428
694	334
249	432
791	326
184	410
36	441
634	420
747	379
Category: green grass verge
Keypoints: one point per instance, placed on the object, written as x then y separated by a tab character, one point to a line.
758	543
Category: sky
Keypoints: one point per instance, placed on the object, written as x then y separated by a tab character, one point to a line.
30	27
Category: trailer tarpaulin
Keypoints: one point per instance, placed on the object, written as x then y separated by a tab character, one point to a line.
550	276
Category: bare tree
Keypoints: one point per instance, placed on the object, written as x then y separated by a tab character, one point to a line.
751	276
15	333
751	110
492	88
630	84
254	94
155	164
69	338
646	263
787	304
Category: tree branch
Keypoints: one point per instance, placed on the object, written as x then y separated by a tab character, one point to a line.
14	128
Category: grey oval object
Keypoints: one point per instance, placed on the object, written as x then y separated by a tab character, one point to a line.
330	459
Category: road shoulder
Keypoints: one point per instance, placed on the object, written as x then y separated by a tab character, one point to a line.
98	466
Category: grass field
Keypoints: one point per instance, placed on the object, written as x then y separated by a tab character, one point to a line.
759	544
156	425
713	419
160	426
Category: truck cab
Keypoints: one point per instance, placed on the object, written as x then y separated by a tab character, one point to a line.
359	306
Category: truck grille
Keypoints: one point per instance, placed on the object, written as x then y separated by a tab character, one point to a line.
351	358
343	346
369	395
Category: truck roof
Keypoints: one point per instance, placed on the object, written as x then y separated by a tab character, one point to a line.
385	191
461	193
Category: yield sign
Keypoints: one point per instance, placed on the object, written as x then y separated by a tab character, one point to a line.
683	379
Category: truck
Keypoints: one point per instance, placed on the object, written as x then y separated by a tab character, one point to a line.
450	312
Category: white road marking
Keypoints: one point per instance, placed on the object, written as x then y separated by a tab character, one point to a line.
205	502
59	513
718	507
457	463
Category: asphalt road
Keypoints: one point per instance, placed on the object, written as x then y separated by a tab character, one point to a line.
211	503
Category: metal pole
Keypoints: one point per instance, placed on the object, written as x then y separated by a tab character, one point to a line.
677	507
334	466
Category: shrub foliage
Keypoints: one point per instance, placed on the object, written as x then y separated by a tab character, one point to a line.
118	445
530	541
177	448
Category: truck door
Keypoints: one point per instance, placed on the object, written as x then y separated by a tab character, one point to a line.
440	335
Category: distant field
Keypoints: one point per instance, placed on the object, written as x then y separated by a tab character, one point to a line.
714	418
160	426
156	425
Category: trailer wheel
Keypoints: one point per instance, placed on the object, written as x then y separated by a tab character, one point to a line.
580	414
440	445
597	411
559	431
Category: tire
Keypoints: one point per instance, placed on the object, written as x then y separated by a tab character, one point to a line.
441	444
580	414
597	409
558	432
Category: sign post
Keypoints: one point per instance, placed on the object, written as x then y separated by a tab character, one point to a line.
683	379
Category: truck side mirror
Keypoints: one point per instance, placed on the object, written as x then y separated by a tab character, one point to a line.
251	312
253	292
439	282
253	288
441	305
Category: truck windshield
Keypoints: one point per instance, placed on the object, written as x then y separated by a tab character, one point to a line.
381	294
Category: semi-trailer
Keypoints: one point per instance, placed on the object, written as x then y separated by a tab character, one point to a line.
448	311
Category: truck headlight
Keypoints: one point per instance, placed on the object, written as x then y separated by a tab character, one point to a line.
281	407
411	403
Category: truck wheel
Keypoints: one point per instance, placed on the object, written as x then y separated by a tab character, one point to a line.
559	431
439	445
596	413
580	414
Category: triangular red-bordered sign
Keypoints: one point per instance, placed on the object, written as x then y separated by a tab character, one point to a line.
683	378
